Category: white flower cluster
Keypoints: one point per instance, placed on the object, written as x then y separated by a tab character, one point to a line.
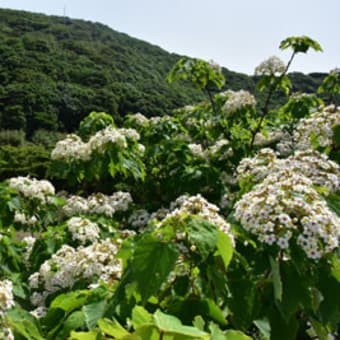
216	149
237	100
6	297
22	218
272	66
310	163
314	165
97	262
73	148
285	206
319	126
199	206
32	188
97	203
139	219
196	150
6	303
6	334
257	167
272	137
286	145
29	244
156	120
83	230
139	119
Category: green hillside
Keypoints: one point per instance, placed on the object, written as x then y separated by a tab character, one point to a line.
55	70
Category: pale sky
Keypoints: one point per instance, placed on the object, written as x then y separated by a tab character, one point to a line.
237	34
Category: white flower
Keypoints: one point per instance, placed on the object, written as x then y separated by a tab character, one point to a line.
273	66
238	100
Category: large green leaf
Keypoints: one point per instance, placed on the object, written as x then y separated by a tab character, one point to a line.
333	202
236	335
202	234
113	328
24	324
93	312
295	291
75	321
152	262
225	247
92	335
170	324
282	329
264	327
330	305
70	301
140	316
277	283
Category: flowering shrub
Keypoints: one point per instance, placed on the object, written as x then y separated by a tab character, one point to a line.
98	204
97	262
316	166
283	206
317	130
223	217
6	302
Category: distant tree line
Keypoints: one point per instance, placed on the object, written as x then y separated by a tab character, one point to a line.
54	71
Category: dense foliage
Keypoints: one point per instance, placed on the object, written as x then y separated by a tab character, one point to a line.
54	71
220	221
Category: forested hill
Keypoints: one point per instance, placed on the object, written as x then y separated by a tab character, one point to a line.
55	70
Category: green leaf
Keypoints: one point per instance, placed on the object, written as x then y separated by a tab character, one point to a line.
70	301
93	312
170	324
202	234
152	262
236	335
295	291
148	332
24	323
333	202
282	329
335	267
300	44
330	305
113	328
225	248
75	321
92	335
264	327
216	332
320	330
140	316
336	134
275	266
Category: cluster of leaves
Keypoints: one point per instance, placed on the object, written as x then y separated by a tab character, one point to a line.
183	275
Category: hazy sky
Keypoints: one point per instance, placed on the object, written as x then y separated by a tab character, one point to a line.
237	34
